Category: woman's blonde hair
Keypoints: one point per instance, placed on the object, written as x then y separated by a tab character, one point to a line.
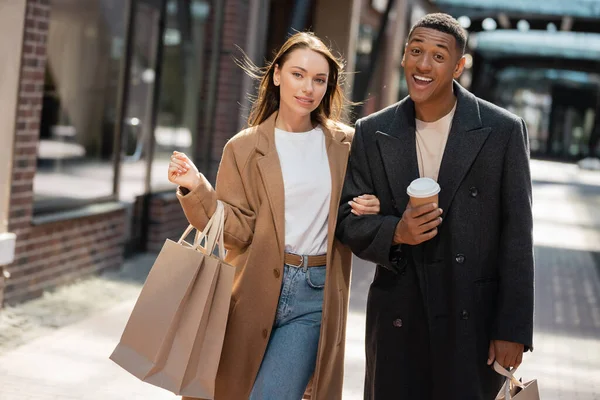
331	108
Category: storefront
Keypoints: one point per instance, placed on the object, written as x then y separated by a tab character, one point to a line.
551	80
95	96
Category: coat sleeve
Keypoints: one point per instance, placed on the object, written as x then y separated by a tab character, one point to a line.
514	319
200	204
370	236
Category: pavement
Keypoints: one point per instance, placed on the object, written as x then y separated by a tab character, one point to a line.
57	347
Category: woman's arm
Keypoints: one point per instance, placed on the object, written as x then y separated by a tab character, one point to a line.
200	203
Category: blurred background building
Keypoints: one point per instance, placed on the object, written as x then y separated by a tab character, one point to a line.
96	94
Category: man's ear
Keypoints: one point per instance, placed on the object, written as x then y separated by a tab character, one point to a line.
460	66
403	55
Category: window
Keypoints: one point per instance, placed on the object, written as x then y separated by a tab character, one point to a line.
85	50
179	105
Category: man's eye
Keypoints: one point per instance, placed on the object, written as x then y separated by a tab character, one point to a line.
415	51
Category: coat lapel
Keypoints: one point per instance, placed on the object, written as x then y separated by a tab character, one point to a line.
337	153
467	136
398	152
271	176
398	148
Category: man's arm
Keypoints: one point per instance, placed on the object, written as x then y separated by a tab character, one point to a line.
514	318
369	236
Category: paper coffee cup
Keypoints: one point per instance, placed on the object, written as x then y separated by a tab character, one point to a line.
423	191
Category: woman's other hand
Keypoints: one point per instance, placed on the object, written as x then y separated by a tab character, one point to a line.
183	172
364	205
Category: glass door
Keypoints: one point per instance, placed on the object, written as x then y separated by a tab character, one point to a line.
178	109
136	136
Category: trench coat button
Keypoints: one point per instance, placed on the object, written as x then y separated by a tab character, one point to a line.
464	314
265	333
397	323
460	258
474	191
276	273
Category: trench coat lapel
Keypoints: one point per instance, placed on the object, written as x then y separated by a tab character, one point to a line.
337	153
467	136
397	147
271	176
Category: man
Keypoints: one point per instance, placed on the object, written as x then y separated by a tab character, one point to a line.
453	288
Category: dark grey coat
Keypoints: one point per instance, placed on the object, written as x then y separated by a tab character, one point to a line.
433	308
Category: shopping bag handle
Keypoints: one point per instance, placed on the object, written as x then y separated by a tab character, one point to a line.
508	374
213	233
186	234
215	236
199	234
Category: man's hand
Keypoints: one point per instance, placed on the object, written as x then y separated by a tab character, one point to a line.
508	354
418	224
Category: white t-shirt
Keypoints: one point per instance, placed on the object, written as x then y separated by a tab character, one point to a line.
307	183
431	138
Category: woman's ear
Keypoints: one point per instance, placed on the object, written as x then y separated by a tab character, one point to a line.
276	75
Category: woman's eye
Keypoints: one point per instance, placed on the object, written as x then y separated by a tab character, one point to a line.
297	74
320	81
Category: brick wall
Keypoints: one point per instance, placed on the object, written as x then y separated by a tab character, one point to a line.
167	220
55	253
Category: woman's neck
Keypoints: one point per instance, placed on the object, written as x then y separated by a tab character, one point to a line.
292	122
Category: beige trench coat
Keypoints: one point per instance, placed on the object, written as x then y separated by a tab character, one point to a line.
250	184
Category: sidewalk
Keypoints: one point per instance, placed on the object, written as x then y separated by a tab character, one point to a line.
57	347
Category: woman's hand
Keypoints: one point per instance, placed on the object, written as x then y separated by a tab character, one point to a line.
183	172
365	205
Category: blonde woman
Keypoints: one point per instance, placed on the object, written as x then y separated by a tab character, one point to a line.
280	181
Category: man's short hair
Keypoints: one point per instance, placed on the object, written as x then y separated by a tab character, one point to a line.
443	23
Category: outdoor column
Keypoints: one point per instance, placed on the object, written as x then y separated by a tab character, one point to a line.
254	48
392	58
340	31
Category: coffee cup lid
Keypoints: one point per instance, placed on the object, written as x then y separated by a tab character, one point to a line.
423	187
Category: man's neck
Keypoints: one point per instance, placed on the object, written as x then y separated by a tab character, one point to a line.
431	112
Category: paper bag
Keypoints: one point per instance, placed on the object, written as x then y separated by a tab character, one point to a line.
175	333
513	389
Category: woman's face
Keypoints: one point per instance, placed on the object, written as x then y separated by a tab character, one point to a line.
302	81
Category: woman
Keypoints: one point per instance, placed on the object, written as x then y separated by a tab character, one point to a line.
280	182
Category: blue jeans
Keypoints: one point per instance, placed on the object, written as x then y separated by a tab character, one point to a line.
291	354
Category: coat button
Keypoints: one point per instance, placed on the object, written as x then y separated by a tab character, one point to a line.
460	258
474	191
397	323
276	273
464	314
265	333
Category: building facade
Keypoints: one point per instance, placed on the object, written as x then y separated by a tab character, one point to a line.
96	94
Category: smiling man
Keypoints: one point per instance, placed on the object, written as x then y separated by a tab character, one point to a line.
453	288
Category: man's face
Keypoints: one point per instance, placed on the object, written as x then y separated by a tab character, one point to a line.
431	62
